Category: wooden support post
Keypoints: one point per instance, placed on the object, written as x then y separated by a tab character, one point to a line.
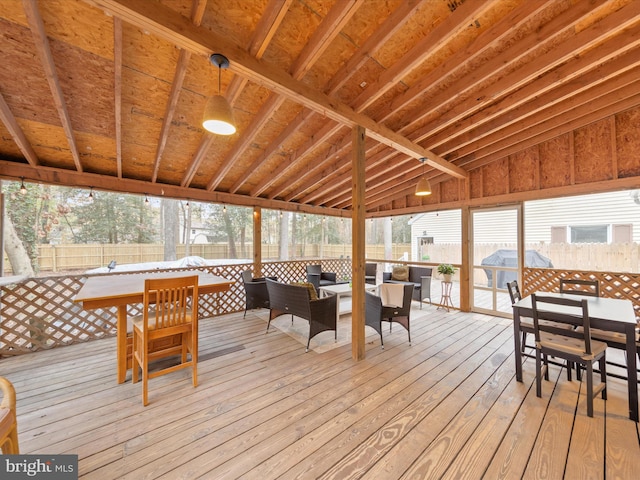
466	269
358	245
257	242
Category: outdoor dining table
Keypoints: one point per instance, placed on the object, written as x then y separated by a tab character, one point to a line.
612	314
121	290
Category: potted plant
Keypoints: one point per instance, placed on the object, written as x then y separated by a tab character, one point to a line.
446	270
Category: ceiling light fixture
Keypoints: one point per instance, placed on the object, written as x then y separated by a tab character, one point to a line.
218	117
423	187
90	194
23	189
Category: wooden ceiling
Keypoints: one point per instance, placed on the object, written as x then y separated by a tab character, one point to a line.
110	93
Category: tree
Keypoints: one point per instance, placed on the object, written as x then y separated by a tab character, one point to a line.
171	221
108	217
21	227
18	256
231	224
284	236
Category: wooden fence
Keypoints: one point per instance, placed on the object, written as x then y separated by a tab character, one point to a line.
619	257
66	258
594	257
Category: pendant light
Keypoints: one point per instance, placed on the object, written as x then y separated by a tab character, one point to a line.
423	187
218	117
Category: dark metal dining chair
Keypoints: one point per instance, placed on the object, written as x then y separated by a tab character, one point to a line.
514	294
590	288
574	345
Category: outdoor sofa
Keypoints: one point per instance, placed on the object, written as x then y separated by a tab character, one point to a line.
301	301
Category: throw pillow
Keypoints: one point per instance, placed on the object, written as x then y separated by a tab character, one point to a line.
400	273
313	295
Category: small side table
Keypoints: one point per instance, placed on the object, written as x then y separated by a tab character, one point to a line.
445	299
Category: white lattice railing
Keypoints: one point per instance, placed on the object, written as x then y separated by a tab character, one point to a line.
612	284
39	313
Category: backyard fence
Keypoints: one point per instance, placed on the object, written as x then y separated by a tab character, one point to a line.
64	258
618	257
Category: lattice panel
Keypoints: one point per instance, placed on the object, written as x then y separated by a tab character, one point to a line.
296	271
40	313
612	284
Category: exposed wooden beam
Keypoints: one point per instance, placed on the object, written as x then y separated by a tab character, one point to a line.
427	46
16	133
340	13
619	75
564	54
72	178
44	51
257	123
271	149
552	82
198	158
164	22
483	43
117	100
371	45
268	26
264	32
551	130
174	95
330	27
197	12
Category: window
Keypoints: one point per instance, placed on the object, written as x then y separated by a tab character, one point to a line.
589	234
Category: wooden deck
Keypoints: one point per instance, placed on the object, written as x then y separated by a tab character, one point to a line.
447	406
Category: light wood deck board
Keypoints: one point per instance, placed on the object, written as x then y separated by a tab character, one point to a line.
448	406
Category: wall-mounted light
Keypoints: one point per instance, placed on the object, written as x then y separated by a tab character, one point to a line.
218	117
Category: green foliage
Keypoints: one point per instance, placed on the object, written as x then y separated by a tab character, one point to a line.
446	269
112	218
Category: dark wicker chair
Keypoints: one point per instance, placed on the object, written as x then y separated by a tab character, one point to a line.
256	291
370	272
376	313
419	277
295	300
318	278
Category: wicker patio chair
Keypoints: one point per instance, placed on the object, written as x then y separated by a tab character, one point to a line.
318	278
376	312
257	295
296	301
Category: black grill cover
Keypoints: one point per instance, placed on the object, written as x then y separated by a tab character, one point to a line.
508	258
